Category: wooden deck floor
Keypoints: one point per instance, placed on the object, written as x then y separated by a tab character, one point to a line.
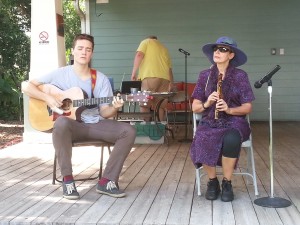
159	181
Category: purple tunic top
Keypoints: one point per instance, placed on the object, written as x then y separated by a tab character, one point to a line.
207	144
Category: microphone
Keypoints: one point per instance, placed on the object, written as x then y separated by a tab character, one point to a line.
183	51
266	78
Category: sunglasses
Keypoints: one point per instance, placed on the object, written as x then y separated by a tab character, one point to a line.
221	49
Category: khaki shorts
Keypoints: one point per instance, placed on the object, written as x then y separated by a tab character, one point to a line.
155	84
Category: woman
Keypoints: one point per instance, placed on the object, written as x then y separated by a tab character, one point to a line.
223	95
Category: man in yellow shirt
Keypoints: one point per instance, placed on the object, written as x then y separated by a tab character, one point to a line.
153	62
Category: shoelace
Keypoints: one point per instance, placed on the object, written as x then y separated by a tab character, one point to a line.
70	188
111	185
211	182
227	185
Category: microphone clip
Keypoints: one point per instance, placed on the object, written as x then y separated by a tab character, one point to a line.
183	51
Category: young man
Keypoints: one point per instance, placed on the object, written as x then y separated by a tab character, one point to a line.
95	123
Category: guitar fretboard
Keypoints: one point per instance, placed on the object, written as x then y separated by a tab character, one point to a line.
92	101
141	97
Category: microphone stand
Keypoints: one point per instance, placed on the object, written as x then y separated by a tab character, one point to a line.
271	202
185	139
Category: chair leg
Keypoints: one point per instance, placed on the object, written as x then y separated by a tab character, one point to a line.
168	128
253	171
198	182
101	162
54	178
174	122
54	170
250	170
189	120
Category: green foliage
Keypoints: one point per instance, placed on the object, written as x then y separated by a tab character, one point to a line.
72	24
15	18
10	107
8	94
14	22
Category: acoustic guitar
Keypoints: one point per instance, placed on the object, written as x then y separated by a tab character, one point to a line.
74	100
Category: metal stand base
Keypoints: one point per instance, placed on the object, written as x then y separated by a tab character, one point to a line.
274	202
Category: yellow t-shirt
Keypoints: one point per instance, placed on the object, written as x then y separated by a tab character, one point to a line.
156	61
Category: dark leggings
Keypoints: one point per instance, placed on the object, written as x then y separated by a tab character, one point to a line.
231	144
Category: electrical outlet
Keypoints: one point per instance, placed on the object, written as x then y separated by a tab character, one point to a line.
281	51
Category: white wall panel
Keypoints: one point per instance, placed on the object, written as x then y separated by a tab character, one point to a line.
257	26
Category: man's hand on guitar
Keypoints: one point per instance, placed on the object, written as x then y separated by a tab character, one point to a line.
54	104
117	102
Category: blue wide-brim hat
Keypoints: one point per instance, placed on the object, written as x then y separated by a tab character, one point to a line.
239	58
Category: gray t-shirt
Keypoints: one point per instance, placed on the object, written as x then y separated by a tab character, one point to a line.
65	78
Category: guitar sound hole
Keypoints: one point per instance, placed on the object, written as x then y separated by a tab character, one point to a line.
67	103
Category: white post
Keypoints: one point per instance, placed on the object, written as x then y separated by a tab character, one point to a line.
47	52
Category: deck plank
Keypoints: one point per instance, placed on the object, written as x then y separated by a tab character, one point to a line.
160	208
140	207
133	189
159	181
244	212
184	194
132	166
202	212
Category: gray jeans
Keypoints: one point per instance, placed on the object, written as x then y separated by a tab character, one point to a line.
121	134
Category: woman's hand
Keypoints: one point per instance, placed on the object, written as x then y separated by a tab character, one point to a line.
212	98
222	106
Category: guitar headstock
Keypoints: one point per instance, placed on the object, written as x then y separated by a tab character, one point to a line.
138	97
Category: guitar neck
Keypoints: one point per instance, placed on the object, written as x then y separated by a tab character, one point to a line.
97	101
92	101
